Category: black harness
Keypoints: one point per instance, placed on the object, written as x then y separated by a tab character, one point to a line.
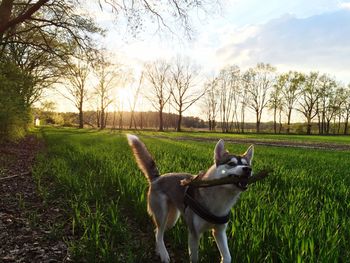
202	211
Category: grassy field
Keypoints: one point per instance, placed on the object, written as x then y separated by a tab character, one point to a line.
299	214
309	139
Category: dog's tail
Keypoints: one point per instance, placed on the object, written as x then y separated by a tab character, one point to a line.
143	158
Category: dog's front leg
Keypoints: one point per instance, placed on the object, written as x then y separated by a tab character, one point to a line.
193	243
219	233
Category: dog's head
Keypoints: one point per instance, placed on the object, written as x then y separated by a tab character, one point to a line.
233	165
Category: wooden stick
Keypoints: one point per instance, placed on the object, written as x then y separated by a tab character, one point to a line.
12	176
196	181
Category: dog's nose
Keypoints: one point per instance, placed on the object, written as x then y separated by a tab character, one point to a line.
247	169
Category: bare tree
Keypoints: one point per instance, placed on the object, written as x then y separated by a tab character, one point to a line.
245	83
120	114
228	86
107	76
326	90
165	12
211	102
170	15
340	102
290	92
260	80
183	77
77	75
134	102
346	109
157	74
308	98
275	102
237	99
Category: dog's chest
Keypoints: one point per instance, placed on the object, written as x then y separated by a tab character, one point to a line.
219	200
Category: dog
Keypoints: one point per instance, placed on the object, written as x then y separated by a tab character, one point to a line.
202	208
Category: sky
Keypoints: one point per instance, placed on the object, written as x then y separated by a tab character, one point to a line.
290	35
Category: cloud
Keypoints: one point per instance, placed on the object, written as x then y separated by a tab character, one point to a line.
345	5
320	42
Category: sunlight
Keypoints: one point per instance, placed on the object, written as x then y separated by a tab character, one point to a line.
124	98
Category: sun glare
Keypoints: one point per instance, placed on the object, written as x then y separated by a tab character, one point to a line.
124	98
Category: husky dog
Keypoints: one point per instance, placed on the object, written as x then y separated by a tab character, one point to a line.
202	208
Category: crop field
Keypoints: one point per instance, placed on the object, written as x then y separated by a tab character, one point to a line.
300	213
309	139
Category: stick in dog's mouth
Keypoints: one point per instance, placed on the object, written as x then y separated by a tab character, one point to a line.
239	181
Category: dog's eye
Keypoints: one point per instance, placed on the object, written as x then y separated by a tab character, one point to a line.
231	163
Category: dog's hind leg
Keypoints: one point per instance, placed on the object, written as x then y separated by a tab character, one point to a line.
219	233
193	243
158	207
173	215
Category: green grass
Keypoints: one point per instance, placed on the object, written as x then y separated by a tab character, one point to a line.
299	214
336	139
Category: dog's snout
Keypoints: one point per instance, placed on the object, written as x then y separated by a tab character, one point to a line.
247	169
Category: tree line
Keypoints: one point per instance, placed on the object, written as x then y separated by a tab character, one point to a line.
175	85
319	98
41	40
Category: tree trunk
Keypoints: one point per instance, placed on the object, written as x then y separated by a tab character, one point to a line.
120	120
288	121
81	117
5	14
308	129
113	124
242	120
323	121
328	125
102	119
6	7
141	120
274	120
319	123
257	122
106	118
346	121
131	120
179	121
98	118
161	125
280	121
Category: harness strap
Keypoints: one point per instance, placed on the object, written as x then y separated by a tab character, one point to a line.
202	211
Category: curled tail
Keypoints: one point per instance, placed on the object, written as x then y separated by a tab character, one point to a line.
143	158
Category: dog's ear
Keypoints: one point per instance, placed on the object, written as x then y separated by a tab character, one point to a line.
219	151
249	154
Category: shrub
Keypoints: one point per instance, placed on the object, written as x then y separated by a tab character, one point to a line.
14	107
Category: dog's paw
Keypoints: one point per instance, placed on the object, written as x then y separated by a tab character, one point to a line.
166	259
164	255
226	260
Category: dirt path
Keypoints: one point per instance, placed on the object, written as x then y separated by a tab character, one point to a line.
275	143
29	229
